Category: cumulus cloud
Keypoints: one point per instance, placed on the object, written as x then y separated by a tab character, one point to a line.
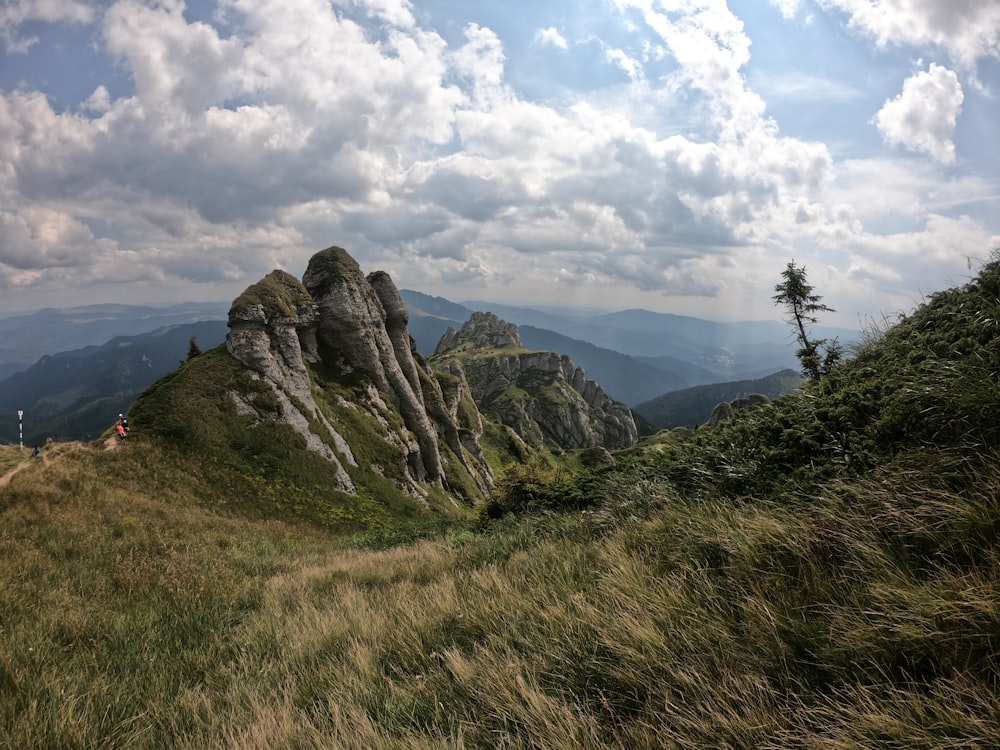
967	30
297	124
923	116
788	8
550	37
14	13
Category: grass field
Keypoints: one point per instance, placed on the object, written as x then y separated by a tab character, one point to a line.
866	618
821	572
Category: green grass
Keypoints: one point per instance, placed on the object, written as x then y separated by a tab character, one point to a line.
866	617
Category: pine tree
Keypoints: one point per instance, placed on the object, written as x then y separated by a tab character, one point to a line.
797	295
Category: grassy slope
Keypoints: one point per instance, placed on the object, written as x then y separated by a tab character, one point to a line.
262	466
820	572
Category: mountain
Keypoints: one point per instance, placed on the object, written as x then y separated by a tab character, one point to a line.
543	396
78	394
691	407
624	378
431	316
690	350
26	338
818	571
322	373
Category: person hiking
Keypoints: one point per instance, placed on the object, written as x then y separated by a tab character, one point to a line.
123	421
122	432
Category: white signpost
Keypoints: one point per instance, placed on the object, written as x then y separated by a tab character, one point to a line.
20	431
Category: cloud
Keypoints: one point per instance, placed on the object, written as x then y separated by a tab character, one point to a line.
923	116
802	86
15	13
967	30
550	37
788	8
284	126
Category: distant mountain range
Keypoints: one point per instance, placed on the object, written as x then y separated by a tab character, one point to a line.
78	394
25	338
636	355
691	407
73	369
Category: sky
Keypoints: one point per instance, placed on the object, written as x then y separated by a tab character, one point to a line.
672	155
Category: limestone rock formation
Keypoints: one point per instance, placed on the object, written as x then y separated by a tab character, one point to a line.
727	409
272	331
355	328
542	396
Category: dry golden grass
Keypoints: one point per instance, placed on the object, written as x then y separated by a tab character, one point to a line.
138	621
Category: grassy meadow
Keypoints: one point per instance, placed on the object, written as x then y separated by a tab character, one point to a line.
819	572
865	617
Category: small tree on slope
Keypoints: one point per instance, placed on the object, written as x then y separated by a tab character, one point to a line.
796	294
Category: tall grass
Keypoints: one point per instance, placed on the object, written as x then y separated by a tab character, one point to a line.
865	617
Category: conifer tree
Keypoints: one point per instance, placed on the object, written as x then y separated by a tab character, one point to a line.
797	295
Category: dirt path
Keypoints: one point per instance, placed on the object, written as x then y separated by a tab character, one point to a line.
51	453
5	479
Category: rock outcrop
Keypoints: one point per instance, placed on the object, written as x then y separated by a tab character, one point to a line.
356	329
727	409
542	396
272	330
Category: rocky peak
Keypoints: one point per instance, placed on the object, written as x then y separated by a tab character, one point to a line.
272	330
350	324
484	330
542	396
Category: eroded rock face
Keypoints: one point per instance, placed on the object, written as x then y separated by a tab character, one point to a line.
542	396
353	334
484	330
271	331
347	323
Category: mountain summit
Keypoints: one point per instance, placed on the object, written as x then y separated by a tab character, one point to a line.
545	398
351	326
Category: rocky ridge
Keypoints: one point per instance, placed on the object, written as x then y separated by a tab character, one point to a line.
355	329
545	398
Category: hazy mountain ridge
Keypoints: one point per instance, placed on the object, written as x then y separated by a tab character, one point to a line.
26	337
691	407
78	394
692	351
627	378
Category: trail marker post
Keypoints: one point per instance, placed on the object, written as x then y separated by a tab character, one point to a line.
20	430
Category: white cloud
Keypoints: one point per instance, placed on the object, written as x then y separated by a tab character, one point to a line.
302	124
550	37
923	116
802	86
179	67
14	13
967	30
710	45
626	64
788	8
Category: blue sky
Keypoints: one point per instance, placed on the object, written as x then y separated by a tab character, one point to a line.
666	154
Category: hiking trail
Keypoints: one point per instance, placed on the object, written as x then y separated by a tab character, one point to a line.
51	453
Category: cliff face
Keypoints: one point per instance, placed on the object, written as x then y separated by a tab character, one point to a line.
353	328
542	396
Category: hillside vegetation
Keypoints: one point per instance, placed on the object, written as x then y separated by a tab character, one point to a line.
691	407
819	572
